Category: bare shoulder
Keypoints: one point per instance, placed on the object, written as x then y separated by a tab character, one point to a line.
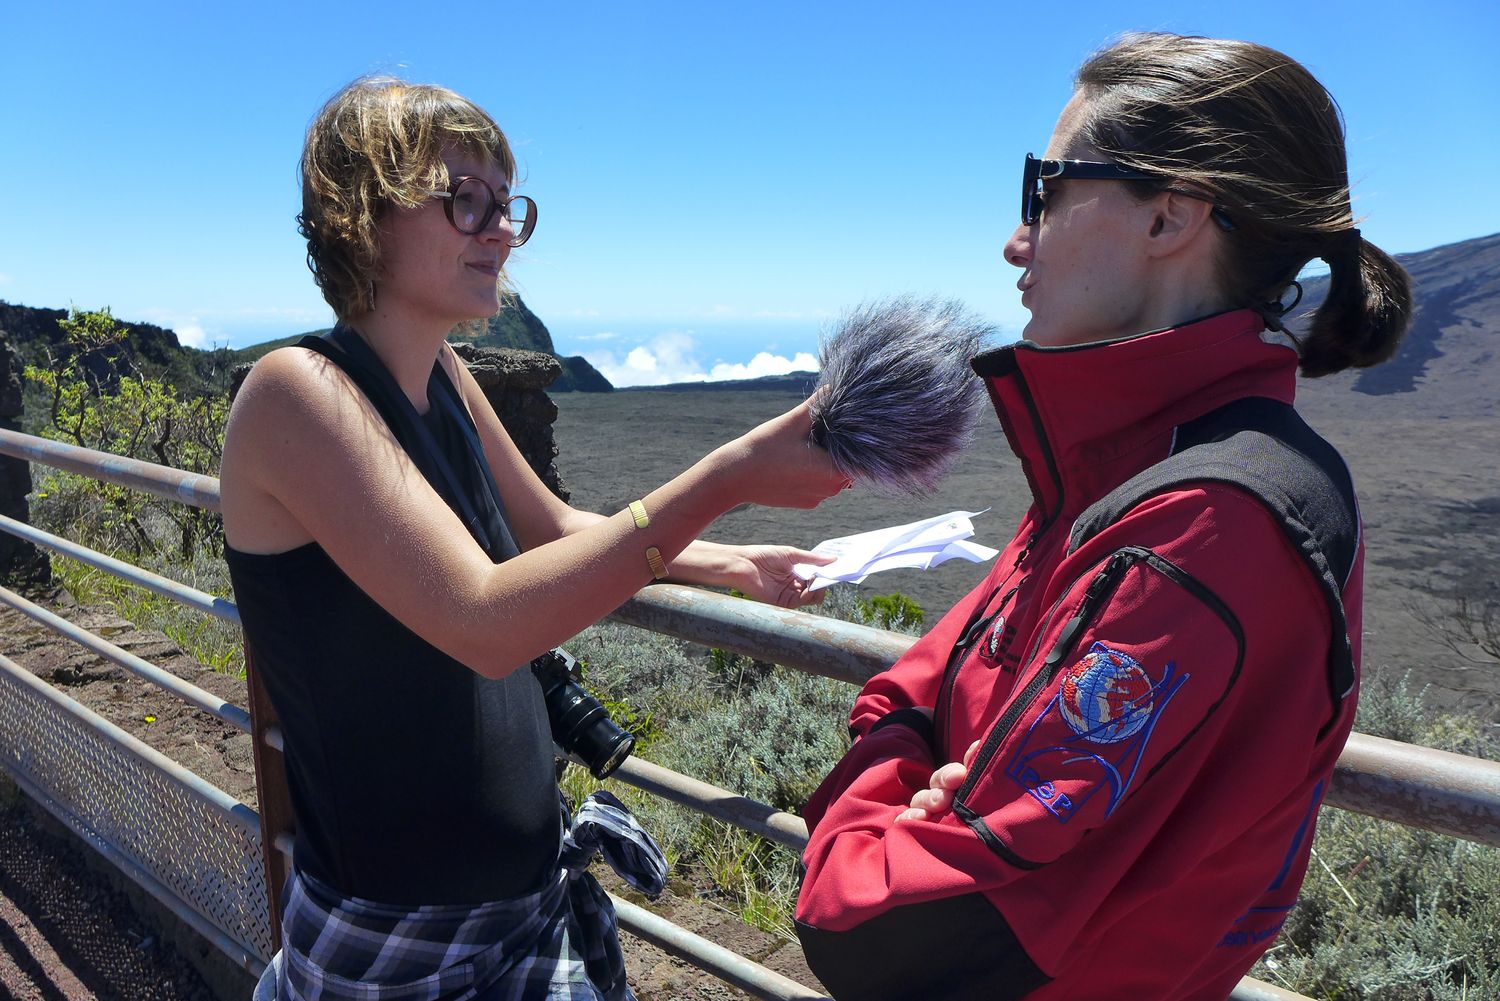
297	415
294	378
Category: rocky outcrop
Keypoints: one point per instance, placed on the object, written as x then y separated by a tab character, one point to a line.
514	381
20	561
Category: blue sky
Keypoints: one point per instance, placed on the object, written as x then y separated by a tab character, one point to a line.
716	181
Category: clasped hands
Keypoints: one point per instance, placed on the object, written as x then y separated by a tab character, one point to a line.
937	798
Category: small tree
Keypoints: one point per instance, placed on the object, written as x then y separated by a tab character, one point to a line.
98	400
1467	623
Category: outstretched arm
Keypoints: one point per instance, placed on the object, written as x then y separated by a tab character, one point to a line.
304	444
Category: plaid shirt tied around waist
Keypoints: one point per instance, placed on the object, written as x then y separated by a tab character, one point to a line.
557	944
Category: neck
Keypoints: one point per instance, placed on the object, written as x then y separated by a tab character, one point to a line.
1184	291
406	345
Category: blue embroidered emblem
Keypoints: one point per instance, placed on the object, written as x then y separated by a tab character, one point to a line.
1265	921
1106	695
1108	699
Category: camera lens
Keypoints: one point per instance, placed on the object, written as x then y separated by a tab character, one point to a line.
580	723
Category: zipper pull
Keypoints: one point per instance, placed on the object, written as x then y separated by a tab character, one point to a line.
1097	588
975	631
1025	551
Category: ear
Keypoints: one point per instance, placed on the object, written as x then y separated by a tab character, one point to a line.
1178	222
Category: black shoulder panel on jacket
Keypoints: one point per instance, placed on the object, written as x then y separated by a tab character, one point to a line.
954	949
1265	448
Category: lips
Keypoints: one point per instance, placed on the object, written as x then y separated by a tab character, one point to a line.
491	268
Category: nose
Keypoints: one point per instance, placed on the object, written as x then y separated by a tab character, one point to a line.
504	225
1019	247
498	230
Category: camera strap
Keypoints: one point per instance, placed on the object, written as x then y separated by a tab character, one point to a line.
480	508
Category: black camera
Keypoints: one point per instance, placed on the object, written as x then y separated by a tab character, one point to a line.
580	724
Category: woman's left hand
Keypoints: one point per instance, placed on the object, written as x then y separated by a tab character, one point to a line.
769	575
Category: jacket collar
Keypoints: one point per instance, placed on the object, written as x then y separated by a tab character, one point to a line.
1084	418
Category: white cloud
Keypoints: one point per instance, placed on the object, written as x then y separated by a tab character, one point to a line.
603	335
764	363
189	329
5	279
191	334
671	357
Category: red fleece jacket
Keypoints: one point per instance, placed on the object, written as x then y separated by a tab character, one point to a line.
1155	714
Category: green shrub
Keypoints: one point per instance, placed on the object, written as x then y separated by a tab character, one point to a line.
893	611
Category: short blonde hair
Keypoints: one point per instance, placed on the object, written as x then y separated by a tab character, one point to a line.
380	141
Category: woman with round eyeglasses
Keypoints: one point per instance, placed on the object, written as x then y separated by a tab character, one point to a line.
398	565
1098	776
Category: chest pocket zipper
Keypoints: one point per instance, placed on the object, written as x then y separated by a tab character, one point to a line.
961	650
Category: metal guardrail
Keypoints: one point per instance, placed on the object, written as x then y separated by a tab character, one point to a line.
758	818
811	643
165	680
187	843
221	608
162	481
728	966
1419	787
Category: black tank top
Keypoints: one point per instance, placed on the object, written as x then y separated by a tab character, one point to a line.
414	780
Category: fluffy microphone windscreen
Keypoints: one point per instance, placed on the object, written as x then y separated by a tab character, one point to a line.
898	399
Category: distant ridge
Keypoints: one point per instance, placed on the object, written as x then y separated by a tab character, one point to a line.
515	326
157	351
1447	362
154	351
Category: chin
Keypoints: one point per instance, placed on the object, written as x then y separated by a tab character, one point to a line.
483	310
1037	332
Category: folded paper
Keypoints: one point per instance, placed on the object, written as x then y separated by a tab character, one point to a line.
920	545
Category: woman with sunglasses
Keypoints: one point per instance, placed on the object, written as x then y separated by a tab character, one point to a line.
397	566
1098	776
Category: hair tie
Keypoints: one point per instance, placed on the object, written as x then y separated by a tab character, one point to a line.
1342	245
1273	311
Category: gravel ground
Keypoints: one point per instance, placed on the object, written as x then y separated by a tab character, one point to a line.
68	932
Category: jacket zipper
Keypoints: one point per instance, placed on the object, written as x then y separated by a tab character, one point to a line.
966	641
1099	589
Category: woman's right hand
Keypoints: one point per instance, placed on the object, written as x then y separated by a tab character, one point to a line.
937	798
777	464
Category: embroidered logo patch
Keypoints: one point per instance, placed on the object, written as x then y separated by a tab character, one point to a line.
1106	695
996	632
1093	735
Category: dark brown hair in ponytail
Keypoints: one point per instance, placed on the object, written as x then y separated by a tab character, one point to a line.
1253	128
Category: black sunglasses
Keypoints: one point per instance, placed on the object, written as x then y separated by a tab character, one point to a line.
470	204
1033	199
